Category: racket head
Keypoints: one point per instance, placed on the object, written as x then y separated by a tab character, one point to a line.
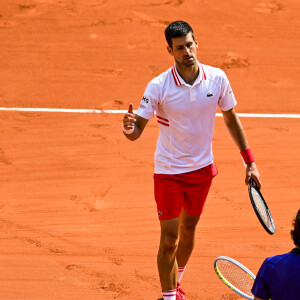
236	276
260	207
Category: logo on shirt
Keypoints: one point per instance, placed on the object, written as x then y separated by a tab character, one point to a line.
209	94
145	99
159	213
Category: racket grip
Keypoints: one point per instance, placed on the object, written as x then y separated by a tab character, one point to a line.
247	156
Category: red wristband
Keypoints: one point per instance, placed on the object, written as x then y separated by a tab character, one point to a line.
248	156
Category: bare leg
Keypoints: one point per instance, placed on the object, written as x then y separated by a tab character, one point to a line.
187	230
166	258
172	254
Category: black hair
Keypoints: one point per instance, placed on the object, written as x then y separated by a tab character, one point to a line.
295	233
177	29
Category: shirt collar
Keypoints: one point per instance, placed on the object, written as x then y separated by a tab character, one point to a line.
179	81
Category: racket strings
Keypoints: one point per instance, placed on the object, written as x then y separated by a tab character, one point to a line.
262	209
236	276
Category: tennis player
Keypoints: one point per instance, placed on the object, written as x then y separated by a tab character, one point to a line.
185	99
279	276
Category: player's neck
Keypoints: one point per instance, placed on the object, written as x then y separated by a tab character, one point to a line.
188	74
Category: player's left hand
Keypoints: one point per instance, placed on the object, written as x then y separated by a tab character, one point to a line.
251	171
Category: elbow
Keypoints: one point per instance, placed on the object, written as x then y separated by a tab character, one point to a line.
132	137
228	124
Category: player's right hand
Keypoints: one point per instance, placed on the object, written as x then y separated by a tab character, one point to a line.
251	171
128	120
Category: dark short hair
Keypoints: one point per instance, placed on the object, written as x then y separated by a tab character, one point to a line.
295	233
177	29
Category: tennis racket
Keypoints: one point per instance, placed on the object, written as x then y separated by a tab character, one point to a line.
260	207
235	276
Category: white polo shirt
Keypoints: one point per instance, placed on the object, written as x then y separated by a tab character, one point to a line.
186	117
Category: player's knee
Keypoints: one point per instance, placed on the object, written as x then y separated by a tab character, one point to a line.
187	231
169	243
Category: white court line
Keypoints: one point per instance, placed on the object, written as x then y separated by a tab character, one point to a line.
114	111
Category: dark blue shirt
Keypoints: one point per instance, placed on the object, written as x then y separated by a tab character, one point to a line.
279	277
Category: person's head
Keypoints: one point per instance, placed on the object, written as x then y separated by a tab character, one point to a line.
181	43
295	233
177	29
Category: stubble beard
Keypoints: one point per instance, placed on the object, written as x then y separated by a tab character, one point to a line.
187	65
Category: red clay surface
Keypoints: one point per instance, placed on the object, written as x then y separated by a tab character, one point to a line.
77	214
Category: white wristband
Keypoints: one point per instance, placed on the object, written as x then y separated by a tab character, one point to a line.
128	131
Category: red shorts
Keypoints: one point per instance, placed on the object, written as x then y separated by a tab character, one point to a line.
187	190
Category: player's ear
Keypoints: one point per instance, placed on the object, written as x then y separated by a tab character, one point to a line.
170	50
196	42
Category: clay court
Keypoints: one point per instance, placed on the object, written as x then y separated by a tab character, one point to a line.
77	212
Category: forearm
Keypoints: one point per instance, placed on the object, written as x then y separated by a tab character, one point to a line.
133	126
134	135
236	131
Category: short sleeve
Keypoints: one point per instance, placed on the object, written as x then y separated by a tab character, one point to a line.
149	102
226	100
262	284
